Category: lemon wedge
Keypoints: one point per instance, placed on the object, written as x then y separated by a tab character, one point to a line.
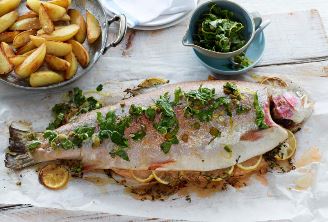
274	81
159	179
228	173
141	180
288	148
249	165
150	82
54	176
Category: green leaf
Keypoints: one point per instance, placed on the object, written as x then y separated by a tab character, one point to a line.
259	113
150	113
99	88
118	139
121	153
166	146
140	134
33	145
50	135
135	110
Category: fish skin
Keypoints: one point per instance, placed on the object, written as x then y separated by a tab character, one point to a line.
197	154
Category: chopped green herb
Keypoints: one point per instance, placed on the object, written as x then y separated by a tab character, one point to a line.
33	145
121	153
242	61
135	110
228	149
232	90
259	113
165	106
177	96
214	133
140	134
150	113
241	109
99	87
50	135
81	134
112	127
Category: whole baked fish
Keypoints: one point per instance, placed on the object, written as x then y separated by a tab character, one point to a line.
192	126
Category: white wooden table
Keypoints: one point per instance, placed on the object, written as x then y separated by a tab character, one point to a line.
308	67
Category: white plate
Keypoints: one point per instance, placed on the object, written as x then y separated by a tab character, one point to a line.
148	28
161	22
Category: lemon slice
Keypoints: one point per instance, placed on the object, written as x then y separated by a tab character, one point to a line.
288	148
228	173
250	164
150	82
274	81
141	180
54	176
159	179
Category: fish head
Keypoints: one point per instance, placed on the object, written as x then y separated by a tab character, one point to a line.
290	107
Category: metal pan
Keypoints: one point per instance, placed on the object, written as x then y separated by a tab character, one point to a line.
95	50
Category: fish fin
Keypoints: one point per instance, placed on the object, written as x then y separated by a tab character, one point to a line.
17	155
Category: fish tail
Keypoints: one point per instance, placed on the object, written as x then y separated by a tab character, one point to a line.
17	155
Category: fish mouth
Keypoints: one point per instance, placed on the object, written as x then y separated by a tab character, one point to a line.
290	110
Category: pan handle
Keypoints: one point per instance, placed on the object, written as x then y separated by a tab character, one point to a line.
121	31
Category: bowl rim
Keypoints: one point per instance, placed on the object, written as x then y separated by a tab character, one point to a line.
76	76
227	54
233	72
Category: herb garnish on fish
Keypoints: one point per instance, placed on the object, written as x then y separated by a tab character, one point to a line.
77	104
259	113
200	104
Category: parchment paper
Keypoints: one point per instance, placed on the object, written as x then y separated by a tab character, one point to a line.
279	200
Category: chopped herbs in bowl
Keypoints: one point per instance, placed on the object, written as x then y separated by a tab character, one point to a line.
219	31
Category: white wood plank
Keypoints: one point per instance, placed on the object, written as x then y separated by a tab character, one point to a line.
25	213
294	37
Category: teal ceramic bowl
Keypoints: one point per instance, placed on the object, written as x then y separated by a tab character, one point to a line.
251	22
224	67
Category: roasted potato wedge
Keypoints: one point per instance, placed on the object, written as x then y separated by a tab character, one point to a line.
33	5
45	21
41	31
29	14
29	52
54	48
55	12
7	20
44	78
23	38
26	24
8	37
28	47
77	18
65	18
17	60
56	63
8	6
62	3
9	52
73	65
31	63
5	66
80	52
62	34
93	28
